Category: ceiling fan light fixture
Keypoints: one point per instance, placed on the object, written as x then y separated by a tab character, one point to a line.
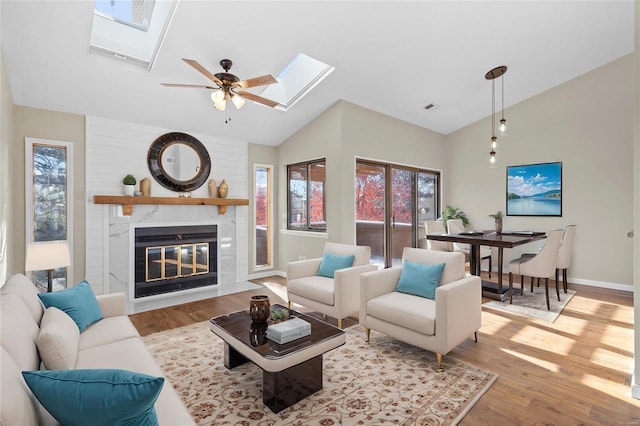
237	100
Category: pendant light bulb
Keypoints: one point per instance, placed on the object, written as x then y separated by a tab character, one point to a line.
494	143
503	126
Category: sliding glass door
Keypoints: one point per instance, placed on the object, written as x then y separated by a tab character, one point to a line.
392	203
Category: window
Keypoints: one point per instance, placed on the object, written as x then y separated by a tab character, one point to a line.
49	185
306	200
262	213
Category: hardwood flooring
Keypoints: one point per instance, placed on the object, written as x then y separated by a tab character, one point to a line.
575	371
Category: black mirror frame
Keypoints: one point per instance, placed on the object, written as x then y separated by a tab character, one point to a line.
154	160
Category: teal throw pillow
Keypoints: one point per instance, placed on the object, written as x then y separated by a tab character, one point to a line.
96	397
78	302
332	262
419	279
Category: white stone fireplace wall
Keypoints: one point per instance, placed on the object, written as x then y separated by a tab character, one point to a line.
114	149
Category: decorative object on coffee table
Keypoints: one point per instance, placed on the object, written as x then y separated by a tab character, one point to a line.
223	190
259	308
258	333
213	189
497	217
278	315
145	187
129	185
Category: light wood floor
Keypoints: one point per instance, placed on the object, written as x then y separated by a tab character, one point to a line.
576	371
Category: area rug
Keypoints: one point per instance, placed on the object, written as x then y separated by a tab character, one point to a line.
384	382
534	305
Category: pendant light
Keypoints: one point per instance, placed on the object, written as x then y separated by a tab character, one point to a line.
492	75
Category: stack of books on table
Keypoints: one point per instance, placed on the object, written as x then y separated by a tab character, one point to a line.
289	330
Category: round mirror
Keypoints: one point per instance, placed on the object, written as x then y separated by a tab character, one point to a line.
179	162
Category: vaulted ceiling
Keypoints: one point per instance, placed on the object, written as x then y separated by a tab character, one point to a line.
389	56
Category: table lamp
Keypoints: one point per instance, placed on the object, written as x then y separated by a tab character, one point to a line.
47	255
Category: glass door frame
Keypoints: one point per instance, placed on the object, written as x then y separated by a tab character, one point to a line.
388	195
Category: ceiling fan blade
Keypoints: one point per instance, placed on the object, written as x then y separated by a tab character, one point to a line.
203	70
257	81
259	99
195	86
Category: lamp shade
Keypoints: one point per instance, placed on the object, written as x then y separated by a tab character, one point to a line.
47	255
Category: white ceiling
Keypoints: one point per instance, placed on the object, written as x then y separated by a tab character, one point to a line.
392	57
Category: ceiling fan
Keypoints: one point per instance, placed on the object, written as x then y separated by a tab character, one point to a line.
229	86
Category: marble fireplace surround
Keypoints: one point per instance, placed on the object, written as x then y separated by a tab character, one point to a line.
121	240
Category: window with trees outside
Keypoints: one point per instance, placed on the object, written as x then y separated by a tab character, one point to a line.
263	216
48	200
306	196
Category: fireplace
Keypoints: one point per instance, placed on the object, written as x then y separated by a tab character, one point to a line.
173	258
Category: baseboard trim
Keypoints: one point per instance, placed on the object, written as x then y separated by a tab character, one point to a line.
264	274
635	390
602	284
591	283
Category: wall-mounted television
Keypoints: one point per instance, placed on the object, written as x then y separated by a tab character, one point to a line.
534	190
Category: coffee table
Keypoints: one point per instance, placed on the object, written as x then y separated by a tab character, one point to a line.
291	371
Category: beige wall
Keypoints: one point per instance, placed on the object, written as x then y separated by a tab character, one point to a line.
265	155
7	192
45	124
341	134
587	123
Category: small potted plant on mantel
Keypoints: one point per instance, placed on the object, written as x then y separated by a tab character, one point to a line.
129	185
497	217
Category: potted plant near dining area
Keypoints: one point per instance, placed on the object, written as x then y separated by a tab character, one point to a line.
497	217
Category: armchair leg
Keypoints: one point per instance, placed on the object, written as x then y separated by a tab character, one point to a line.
289	304
439	358
564	279
557	287
475	336
340	322
368	334
490	266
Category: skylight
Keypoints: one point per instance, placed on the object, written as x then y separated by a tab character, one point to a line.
296	80
131	30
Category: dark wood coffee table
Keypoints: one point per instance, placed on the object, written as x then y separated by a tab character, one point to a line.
291	371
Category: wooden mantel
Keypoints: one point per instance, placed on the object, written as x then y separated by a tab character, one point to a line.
128	202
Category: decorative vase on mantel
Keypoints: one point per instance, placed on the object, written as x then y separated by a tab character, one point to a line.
223	189
145	187
213	189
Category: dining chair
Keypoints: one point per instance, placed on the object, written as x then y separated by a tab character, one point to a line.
564	254
542	265
455	226
436	227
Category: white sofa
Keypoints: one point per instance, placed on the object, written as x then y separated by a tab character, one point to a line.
435	325
111	343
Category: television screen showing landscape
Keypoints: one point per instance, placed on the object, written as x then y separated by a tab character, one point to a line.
534	190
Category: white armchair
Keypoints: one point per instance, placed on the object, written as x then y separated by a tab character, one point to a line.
338	297
435	325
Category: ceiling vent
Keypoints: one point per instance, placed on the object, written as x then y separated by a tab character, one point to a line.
431	107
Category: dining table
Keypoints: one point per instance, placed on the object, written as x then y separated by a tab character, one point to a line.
501	240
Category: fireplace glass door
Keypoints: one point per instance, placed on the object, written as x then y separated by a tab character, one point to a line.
176	261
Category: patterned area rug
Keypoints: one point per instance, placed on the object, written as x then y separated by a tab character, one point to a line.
534	305
385	382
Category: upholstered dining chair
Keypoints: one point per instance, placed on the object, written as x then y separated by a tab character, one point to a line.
564	254
436	227
455	226
331	284
541	265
